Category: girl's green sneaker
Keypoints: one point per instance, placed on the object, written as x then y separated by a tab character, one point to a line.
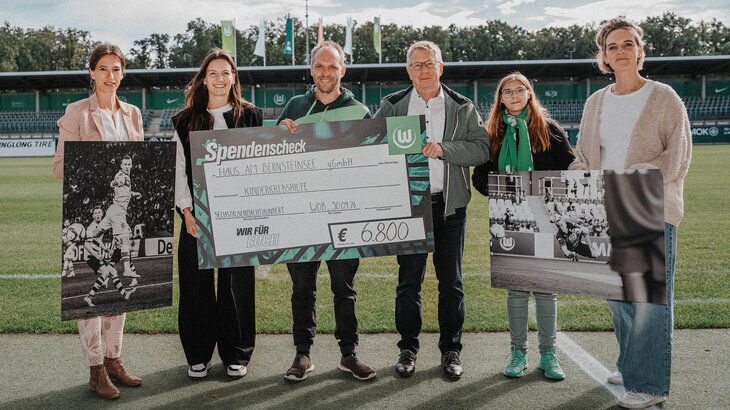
551	366
517	363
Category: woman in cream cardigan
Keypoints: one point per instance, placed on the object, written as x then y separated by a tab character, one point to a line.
102	117
636	123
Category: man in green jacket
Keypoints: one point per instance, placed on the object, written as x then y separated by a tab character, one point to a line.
457	139
325	101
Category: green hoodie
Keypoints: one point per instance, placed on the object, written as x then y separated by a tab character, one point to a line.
304	109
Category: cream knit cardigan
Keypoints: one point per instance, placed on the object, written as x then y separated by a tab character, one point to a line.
661	139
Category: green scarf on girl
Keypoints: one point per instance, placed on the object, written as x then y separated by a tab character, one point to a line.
512	157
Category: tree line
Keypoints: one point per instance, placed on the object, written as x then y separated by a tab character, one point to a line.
50	49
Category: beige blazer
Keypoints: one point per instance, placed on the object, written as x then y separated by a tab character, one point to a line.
82	122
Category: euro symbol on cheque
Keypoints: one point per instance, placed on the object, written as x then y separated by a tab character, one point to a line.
342	234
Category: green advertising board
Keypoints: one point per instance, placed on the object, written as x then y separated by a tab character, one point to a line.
686	88
486	94
717	88
711	135
272	97
549	92
59	102
375	94
356	91
17	102
131	97
597	85
573	136
277	98
160	100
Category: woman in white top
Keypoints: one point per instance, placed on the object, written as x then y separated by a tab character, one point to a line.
636	123
213	101
102	117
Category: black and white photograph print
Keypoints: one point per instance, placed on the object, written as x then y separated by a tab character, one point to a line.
117	235
588	233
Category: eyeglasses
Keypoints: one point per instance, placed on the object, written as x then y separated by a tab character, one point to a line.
427	65
517	92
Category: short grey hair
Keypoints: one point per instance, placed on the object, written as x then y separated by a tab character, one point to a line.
429	46
330	44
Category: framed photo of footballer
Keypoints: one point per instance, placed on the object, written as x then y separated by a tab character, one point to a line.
596	233
117	236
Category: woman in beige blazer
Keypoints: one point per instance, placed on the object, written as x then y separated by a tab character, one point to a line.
102	117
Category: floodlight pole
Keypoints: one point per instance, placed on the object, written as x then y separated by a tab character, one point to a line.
306	22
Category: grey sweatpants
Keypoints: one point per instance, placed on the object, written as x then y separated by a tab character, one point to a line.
546	306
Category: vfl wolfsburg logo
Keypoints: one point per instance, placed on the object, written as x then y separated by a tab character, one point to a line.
404	135
227	31
403	139
507	243
279	99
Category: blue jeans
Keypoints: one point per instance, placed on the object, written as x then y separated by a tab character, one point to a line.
448	250
644	333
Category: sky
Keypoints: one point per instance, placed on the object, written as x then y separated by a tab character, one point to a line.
122	22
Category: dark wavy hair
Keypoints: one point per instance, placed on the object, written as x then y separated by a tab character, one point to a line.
196	94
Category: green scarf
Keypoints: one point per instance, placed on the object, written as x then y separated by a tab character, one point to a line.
512	157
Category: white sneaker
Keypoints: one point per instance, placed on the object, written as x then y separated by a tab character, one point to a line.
87	299
198	371
130	273
616	378
133	282
632	400
236	370
128	293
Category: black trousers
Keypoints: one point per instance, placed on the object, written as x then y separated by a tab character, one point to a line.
447	256
304	296
229	321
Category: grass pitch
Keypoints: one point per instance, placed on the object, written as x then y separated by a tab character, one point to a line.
30	230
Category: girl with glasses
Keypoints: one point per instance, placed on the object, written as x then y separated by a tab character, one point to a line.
523	137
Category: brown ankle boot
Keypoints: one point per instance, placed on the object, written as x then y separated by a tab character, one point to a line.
118	372
100	383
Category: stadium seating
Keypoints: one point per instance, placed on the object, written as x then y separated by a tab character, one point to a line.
19	121
44	121
565	110
520	214
166	123
570	111
710	107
